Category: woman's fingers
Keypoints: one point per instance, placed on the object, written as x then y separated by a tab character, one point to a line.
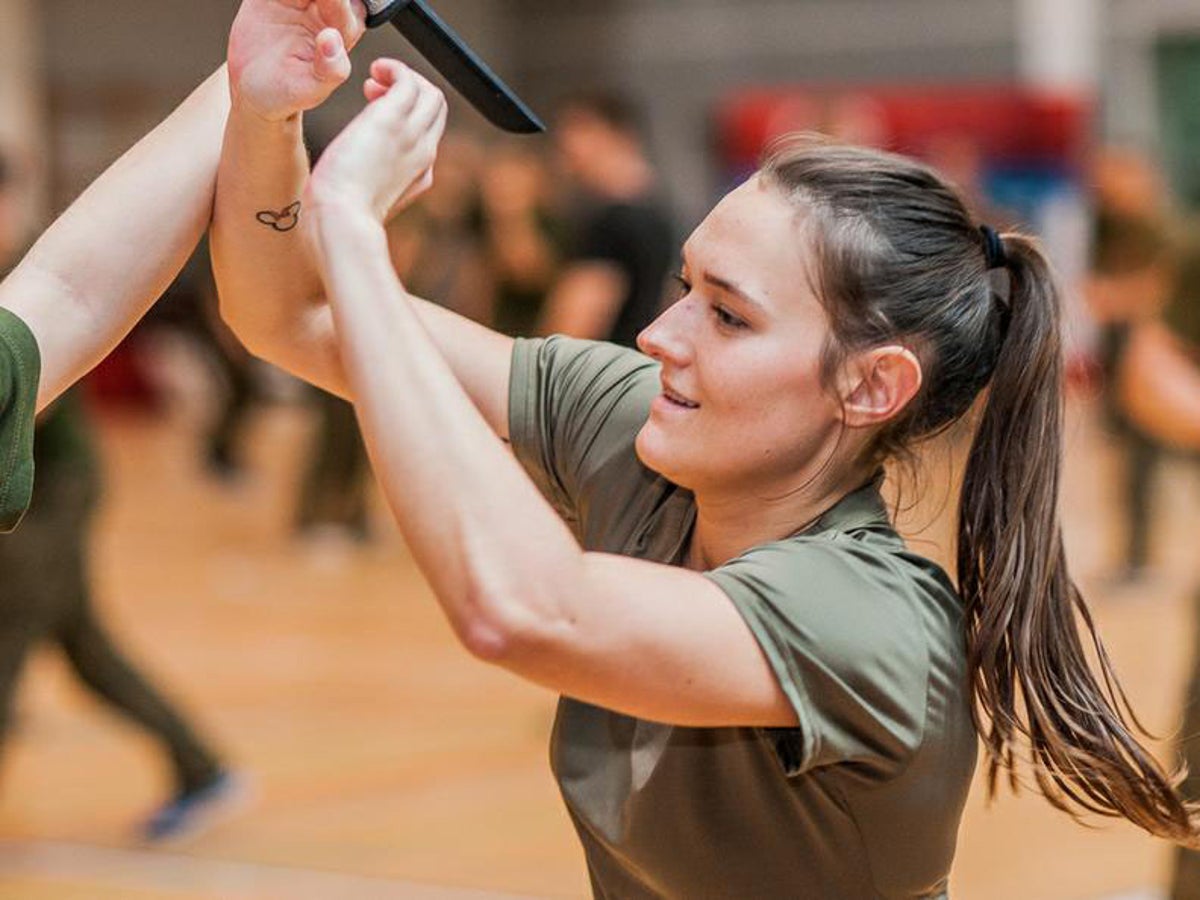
388	71
332	62
427	107
373	90
347	16
410	103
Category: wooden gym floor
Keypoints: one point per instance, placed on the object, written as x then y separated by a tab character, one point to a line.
387	763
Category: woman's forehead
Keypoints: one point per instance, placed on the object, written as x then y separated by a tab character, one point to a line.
753	236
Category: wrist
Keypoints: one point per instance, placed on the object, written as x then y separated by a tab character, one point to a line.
336	217
249	116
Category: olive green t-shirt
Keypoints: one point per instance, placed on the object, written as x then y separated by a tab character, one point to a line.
863	798
20	369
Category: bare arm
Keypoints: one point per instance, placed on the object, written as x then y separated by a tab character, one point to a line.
101	265
586	301
285	57
511	578
1159	387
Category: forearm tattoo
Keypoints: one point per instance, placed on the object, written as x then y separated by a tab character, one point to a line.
284	220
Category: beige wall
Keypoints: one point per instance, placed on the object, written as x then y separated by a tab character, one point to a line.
22	107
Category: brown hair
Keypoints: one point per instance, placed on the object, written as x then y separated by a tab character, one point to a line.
898	258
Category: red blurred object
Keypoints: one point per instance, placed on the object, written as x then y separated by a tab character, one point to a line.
120	380
1007	124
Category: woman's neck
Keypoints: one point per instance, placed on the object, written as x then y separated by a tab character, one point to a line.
728	526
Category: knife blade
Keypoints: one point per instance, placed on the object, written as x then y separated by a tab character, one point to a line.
456	61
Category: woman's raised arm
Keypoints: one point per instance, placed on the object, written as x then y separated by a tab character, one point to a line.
101	265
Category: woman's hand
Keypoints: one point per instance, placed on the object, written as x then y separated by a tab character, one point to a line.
384	158
288	56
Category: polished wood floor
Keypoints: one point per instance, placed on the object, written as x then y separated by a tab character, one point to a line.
385	762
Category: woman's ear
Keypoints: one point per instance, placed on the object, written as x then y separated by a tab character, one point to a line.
878	385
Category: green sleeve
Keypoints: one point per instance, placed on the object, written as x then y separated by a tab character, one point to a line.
836	623
1182	314
20	370
576	407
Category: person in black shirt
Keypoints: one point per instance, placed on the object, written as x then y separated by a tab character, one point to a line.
624	247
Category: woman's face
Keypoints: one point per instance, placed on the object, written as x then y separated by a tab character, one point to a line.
743	408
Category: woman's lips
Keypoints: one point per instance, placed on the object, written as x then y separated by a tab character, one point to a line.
677	399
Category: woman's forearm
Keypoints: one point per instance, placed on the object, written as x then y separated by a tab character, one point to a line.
101	265
496	554
265	277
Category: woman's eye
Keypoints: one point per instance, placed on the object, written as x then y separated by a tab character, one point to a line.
683	287
728	319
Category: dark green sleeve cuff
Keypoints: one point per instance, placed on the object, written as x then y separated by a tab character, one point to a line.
20	371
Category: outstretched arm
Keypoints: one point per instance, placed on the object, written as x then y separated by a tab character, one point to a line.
101	265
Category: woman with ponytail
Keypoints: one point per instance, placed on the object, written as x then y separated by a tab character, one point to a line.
764	692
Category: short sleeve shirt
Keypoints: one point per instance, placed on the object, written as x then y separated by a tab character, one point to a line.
20	370
863	798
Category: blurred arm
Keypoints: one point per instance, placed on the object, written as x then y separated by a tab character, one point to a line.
586	301
101	265
1158	385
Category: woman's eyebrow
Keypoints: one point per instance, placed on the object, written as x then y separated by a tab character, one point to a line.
725	285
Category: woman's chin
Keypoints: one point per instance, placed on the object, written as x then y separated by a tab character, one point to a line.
654	452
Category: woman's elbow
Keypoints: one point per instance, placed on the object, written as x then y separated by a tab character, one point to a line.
504	633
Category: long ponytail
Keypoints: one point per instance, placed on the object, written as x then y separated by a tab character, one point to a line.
1031	677
898	256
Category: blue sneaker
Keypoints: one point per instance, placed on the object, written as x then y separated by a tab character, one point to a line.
192	812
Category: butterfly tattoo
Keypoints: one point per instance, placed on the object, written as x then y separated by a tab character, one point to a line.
284	220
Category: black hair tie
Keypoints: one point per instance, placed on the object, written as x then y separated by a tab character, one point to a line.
993	248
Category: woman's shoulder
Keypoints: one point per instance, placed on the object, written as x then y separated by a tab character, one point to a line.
575	408
862	583
581	363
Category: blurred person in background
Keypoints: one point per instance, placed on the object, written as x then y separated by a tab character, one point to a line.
1139	270
1156	387
437	244
190	307
522	237
46	597
1145	291
1148	281
689	545
332	504
623	245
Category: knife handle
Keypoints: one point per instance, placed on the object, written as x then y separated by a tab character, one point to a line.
380	12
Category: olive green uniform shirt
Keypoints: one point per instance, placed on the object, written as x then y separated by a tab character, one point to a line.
20	369
863	798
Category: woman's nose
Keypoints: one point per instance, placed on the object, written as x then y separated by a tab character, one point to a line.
665	339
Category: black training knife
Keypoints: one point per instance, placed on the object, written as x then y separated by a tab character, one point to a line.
458	63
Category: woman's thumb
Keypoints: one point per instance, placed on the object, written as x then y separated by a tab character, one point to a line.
332	63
